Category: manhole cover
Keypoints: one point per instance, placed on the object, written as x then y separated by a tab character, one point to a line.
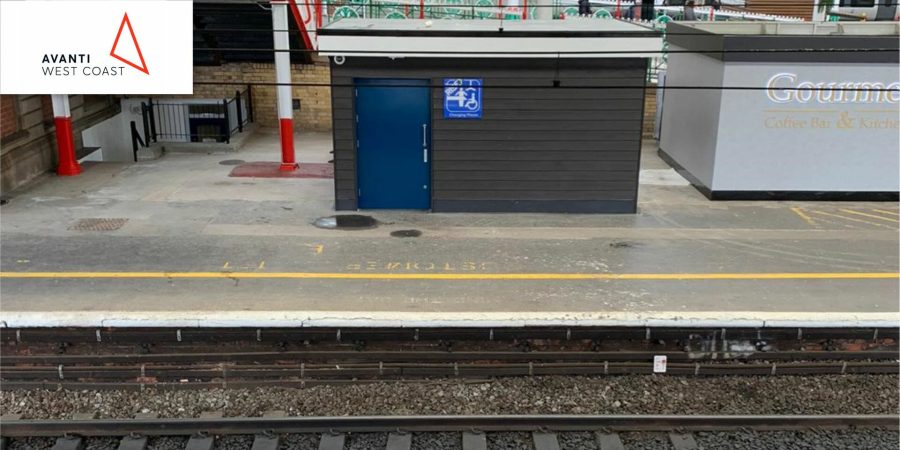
406	233
100	224
346	222
232	162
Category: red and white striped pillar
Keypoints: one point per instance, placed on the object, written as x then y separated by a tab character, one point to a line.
283	78
65	143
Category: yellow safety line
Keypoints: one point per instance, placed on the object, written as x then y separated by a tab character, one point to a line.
850	211
893	213
851	218
461	276
803	216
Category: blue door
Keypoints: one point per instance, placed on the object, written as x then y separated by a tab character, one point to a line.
393	131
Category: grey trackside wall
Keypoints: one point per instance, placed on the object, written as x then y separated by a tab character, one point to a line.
572	148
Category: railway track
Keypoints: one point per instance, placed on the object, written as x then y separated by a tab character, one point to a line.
465	432
241	358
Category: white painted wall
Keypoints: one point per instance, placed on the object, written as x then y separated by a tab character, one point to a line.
113	135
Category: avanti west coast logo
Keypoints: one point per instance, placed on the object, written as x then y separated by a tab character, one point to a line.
126	50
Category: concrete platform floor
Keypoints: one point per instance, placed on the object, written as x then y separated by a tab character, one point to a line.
200	248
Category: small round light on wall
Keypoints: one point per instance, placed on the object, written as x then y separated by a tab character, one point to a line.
339	60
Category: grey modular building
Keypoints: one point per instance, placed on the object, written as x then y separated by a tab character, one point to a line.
784	110
487	116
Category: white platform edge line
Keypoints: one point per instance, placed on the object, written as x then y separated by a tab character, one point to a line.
405	319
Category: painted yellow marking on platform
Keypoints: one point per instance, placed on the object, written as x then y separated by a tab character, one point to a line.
883	211
850	211
262	265
465	276
226	265
851	218
317	248
809	220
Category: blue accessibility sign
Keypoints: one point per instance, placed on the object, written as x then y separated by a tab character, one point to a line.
462	98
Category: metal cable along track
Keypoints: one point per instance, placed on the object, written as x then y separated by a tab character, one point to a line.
333	430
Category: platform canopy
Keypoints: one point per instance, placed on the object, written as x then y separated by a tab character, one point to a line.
489	39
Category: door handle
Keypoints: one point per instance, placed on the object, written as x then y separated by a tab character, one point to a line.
425	142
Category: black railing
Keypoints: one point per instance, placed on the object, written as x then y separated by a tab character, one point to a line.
194	120
136	141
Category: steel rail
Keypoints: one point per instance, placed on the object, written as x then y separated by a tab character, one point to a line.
392	371
370	424
442	356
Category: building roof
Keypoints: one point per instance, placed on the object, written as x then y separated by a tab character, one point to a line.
417	27
796	42
795	28
489	38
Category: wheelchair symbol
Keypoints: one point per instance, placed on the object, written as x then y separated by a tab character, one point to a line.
462	97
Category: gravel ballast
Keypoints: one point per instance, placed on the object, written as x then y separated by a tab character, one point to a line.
638	394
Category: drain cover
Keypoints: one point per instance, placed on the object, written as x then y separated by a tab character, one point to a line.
232	162
406	233
346	222
98	224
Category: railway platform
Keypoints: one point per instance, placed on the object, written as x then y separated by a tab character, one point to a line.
177	242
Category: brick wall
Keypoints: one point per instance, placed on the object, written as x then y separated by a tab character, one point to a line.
31	150
9	118
649	112
315	102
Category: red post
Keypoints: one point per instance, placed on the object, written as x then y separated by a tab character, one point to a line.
65	143
618	9
287	145
500	5
525	10
283	94
421	9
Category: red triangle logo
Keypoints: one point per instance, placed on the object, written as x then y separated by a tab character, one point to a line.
143	66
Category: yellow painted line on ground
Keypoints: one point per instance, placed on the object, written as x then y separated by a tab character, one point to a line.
883	211
809	220
463	276
850	211
852	219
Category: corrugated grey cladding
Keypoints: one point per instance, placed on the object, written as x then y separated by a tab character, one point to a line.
572	148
